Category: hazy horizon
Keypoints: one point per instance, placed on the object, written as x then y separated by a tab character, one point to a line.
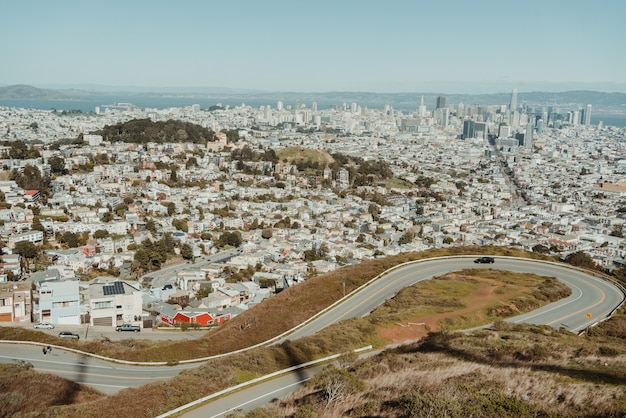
390	47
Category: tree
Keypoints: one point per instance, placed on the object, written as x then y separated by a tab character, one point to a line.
27	250
374	210
151	226
100	233
267	233
580	259
107	217
180	225
36	225
406	238
171	208
57	165
186	251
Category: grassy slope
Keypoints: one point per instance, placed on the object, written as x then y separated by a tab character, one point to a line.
309	297
296	153
509	370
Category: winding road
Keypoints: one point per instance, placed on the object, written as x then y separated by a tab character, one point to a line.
592	299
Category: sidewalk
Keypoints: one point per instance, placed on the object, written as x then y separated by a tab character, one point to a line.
95	333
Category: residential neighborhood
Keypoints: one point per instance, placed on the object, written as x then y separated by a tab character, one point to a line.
290	192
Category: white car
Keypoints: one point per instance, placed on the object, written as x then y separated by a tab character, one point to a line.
43	325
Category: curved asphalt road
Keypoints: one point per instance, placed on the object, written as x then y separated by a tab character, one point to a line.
589	294
105	376
590	297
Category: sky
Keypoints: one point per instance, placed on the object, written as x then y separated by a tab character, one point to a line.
453	46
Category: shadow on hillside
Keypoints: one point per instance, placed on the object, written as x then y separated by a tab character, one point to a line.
295	356
440	342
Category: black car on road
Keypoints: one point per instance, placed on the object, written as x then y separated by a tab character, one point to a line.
484	260
69	335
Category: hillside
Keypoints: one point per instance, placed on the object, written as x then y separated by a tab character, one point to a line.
506	371
552	373
298	154
24	92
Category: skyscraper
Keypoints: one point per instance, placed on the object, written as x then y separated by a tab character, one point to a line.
422	109
528	137
513	105
468	129
441	102
587	120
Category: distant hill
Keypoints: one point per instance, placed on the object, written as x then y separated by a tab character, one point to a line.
409	101
297	153
25	92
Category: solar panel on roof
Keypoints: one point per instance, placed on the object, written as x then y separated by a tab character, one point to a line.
117	288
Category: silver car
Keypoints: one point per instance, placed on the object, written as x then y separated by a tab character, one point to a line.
43	325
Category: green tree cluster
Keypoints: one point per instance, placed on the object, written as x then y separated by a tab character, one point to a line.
142	131
19	150
30	178
151	255
229	238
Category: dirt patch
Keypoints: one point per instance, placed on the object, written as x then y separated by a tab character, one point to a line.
484	296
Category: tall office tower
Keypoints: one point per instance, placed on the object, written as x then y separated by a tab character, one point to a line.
576	117
504	131
513	105
588	115
444	117
528	137
480	130
314	106
460	111
441	102
279	105
540	126
468	129
353	107
422	109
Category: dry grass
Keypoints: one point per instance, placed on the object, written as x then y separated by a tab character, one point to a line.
250	328
26	392
455	375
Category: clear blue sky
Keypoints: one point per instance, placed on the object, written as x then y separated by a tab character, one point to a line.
453	46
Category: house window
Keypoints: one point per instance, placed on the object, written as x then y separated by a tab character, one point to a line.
65	304
102	305
3	302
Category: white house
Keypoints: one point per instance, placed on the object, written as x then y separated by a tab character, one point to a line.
59	302
115	303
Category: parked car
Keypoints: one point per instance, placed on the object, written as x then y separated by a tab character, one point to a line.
485	260
43	325
128	327
69	335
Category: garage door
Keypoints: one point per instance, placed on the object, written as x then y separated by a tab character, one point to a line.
105	321
5	317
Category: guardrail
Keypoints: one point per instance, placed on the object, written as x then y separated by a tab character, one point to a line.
257	380
332	306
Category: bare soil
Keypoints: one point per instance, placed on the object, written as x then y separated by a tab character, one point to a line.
483	297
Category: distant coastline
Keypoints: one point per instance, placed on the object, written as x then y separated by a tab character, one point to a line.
89	104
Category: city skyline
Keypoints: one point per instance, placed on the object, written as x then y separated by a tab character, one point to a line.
348	46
